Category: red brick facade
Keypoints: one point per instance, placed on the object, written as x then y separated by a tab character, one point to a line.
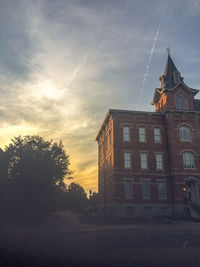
149	162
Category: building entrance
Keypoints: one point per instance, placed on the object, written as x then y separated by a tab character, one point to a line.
192	192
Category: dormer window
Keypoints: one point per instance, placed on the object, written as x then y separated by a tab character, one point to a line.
181	102
176	77
184	103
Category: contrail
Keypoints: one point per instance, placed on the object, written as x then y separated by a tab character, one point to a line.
75	72
147	67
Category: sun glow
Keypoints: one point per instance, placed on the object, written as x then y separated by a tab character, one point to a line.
49	89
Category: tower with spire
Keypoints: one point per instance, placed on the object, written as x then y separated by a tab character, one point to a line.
173	93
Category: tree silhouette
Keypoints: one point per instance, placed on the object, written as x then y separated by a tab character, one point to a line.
4	182
37	169
75	198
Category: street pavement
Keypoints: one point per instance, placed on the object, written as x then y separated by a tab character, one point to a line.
65	241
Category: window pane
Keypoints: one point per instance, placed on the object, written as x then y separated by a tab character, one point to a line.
143	161
162	190
157	137
127	160
159	161
145	189
142	134
185	134
126	133
128	189
188	160
184	103
177	102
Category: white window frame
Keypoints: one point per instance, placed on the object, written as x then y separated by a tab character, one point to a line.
128	188
126	133
144	160
127	160
142	134
146	189
188	160
162	190
185	133
159	161
157	135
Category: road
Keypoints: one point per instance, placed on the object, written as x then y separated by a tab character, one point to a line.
64	241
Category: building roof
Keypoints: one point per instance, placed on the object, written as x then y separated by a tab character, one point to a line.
112	112
121	111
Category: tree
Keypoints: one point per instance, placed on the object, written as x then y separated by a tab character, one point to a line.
94	200
4	182
37	169
75	198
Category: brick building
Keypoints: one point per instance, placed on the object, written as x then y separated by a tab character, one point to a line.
149	162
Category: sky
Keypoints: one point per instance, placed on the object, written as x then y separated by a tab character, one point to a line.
64	63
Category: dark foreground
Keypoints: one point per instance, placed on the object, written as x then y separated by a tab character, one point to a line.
64	241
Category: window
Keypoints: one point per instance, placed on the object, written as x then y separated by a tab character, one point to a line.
128	189
142	134
188	160
145	189
162	190
127	160
143	161
185	134
184	103
176	77
181	102
126	133
177	102
159	161
157	135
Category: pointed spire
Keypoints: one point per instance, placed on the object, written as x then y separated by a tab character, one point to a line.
169	67
168	50
171	76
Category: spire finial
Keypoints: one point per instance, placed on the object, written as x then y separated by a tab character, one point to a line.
168	50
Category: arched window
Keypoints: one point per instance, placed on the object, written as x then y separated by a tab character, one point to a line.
184	103
176	77
185	134
188	160
177	102
181	102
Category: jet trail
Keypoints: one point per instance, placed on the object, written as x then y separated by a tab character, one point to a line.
147	67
